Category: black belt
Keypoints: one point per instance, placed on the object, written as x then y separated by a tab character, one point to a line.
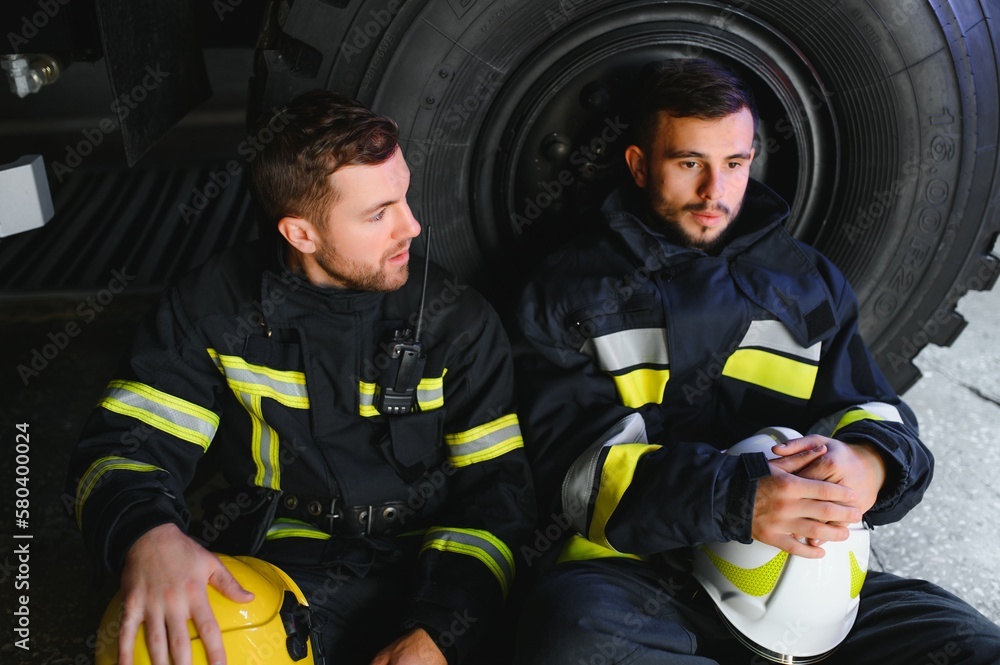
331	516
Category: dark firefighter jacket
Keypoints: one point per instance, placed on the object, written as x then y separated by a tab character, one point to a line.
642	360
277	379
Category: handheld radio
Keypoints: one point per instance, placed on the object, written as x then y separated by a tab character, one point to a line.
396	389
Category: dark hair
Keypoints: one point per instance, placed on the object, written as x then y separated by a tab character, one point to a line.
687	88
292	152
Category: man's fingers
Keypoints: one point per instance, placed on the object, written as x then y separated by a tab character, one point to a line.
179	637
156	639
127	631
793	462
208	631
226	584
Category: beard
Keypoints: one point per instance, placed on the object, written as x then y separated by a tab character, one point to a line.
358	276
664	217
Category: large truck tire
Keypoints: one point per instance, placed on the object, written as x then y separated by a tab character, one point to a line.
878	123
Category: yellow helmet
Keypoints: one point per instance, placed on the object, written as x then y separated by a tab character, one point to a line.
273	628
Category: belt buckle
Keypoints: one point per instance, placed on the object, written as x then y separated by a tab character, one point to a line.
367	518
334	516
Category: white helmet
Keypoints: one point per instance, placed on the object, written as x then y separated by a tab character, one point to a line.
786	608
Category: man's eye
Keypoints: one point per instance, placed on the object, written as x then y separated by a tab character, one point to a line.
689	165
379	216
735	165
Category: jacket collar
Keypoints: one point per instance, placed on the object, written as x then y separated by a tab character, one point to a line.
324	297
625	210
768	266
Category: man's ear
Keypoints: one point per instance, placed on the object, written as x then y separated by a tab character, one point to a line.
300	233
636	161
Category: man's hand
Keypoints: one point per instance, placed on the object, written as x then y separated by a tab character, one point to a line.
414	648
858	466
789	507
163	585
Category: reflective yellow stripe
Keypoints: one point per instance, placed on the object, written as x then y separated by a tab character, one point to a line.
867	411
289	528
616	476
430	392
853	416
642	386
287	387
637	361
857	576
97	470
758	581
769	370
182	419
578	548
484	442
366	399
481	545
430	395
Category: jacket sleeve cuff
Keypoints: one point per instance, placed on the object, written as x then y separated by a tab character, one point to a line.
740	497
134	520
451	617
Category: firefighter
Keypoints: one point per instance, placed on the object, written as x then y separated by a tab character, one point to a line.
357	404
687	322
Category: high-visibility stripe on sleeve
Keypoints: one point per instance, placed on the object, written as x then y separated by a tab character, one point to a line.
616	475
482	545
484	442
92	477
290	528
175	416
770	357
637	361
287	387
868	411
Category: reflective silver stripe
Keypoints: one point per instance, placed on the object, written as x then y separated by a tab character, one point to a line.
485	442
430	393
628	348
93	475
775	336
287	387
482	545
161	410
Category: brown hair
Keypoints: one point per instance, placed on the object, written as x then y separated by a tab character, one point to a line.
687	88
292	152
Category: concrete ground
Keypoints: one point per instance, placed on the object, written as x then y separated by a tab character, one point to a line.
949	539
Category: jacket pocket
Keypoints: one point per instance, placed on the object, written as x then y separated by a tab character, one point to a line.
414	443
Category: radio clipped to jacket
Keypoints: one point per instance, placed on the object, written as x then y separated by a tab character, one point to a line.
396	389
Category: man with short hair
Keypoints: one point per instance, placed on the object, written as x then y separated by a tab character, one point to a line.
687	323
383	473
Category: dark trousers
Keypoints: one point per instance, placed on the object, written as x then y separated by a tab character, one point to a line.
353	617
620	611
